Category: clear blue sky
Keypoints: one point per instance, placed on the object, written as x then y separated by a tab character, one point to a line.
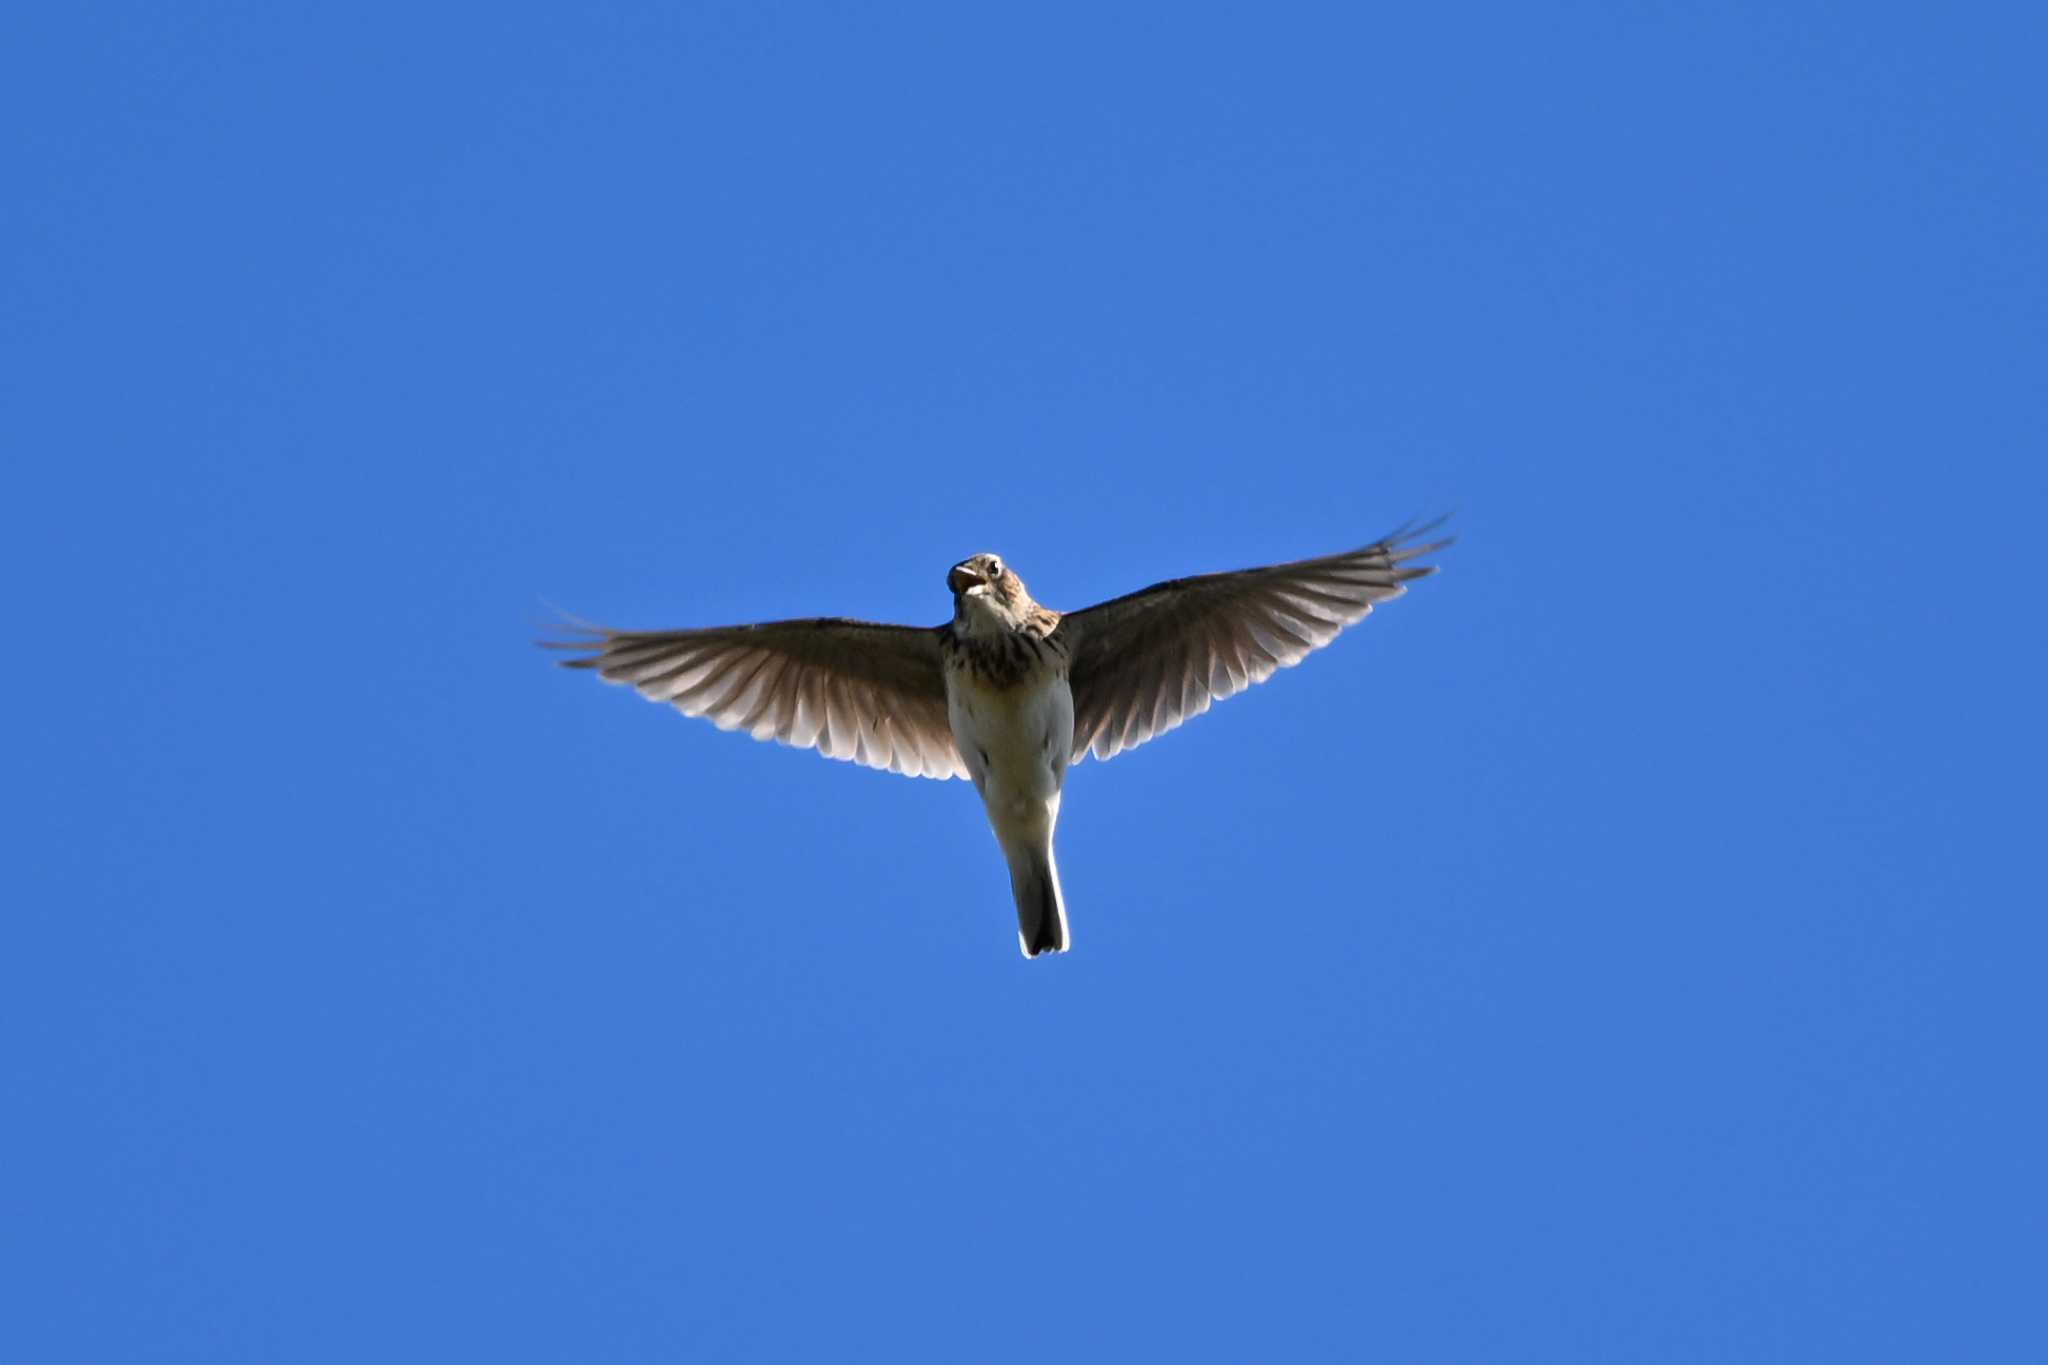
1626	947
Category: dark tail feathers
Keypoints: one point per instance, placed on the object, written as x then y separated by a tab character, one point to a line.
1041	913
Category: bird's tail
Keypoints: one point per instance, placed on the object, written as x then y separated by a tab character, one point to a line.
1041	913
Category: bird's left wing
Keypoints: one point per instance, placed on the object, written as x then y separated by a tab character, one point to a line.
1144	663
855	690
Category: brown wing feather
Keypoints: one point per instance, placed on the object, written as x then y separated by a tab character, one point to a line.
872	694
1144	663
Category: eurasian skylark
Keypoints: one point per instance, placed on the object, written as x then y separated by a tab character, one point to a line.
1008	692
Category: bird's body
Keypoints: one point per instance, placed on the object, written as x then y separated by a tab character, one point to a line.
1008	693
1011	713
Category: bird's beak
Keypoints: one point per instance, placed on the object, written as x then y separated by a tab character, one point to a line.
962	578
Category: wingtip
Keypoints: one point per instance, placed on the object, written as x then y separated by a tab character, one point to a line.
1410	531
1406	542
567	631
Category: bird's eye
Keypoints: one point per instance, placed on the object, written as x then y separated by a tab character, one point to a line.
995	568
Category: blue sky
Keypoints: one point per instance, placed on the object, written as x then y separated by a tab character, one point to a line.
1625	947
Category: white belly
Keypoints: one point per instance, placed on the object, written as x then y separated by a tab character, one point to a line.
1016	744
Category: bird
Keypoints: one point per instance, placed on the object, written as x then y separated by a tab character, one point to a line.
1008	693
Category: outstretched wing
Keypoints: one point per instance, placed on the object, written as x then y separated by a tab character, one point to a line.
854	690
1142	664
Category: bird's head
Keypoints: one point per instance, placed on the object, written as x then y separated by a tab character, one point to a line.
985	588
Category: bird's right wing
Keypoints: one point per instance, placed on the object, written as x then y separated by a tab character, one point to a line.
872	694
1144	663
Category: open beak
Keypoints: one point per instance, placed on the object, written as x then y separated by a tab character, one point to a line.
962	578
